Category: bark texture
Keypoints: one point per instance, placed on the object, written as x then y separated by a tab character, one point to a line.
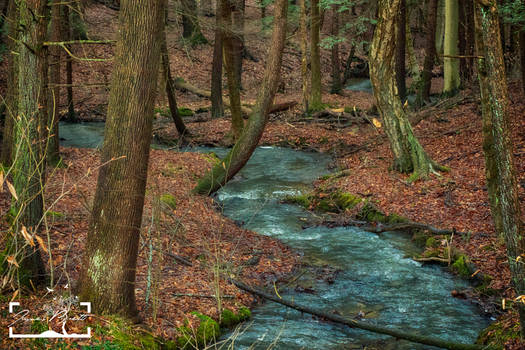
12	82
304	54
430	52
497	145
217	108
336	63
29	126
315	58
244	147
451	64
108	275
409	155
400	44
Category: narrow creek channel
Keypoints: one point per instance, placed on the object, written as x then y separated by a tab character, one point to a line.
372	276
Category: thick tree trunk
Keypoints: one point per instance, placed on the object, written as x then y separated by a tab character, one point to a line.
170	86
430	52
409	155
12	83
336	63
451	63
304	54
497	145
55	52
29	126
217	109
315	58
230	54
108	275
244	147
400	45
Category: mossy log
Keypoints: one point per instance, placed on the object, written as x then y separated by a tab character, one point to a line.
399	334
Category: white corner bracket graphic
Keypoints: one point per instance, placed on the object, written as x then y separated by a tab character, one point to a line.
50	333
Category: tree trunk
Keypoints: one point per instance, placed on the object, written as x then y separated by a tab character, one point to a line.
451	64
304	54
231	69
55	52
238	39
108	275
336	64
71	115
315	58
191	29
440	28
430	52
217	109
12	83
170	87
413	66
522	58
244	147
400	45
29	126
409	156
497	144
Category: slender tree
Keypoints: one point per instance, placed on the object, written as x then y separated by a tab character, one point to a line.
170	86
400	45
244	147
430	53
336	63
230	48
108	275
304	54
55	52
191	29
497	144
238	38
71	114
451	62
217	108
409	155
29	125
315	57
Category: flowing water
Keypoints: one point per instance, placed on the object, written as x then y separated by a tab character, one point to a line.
375	278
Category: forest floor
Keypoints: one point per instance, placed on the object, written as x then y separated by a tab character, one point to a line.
194	228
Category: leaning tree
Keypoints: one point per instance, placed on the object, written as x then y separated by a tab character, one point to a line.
108	275
409	155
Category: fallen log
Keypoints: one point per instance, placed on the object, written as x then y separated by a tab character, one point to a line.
180	84
413	337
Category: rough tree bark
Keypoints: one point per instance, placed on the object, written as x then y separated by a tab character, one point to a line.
400	45
451	63
71	115
315	58
108	275
217	108
12	83
28	151
497	144
55	52
409	155
244	147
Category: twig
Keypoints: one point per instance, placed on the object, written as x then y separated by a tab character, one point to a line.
201	295
178	258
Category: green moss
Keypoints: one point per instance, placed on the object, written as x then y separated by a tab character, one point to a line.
419	238
497	334
185	112
431	242
55	214
207	332
304	200
230	319
461	266
370	213
169	200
